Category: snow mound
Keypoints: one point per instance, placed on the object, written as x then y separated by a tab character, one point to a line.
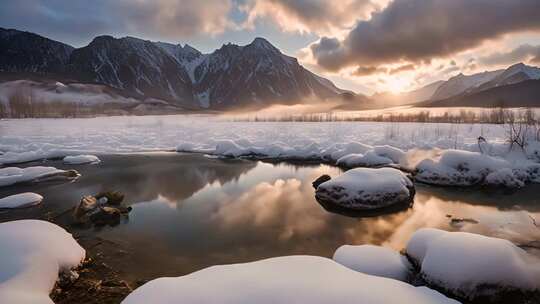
81	159
13	175
370	159
292	279
463	168
374	260
29	156
20	200
463	263
365	188
33	253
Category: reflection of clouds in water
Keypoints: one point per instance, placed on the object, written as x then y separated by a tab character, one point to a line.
430	211
286	208
280	204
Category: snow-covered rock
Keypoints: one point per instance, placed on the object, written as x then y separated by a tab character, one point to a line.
13	175
365	188
32	255
471	265
81	159
463	168
20	200
374	260
292	279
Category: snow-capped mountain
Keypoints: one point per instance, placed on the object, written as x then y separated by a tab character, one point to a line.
514	74
134	65
258	72
233	76
28	52
461	83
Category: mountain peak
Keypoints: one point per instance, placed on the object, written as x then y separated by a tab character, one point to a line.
189	49
262	43
102	39
518	65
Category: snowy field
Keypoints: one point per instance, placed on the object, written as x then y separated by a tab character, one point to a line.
442	154
149	133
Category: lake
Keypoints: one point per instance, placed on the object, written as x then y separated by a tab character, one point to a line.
191	211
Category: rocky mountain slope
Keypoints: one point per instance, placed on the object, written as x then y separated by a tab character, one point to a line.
233	76
28	52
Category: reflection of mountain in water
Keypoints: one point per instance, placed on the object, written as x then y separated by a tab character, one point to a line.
174	177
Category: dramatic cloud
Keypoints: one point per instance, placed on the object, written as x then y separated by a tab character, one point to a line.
419	30
317	16
370	70
79	21
525	52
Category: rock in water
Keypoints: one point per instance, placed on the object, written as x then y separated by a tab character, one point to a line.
102	209
320	180
110	197
86	206
367	189
106	216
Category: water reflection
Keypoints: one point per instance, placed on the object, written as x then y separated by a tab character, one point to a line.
191	212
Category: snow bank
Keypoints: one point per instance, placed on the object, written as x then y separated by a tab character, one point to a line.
364	188
81	159
374	260
463	168
351	144
292	279
13	175
32	255
20	200
472	265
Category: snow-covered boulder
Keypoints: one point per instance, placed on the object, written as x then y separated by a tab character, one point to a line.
473	266
364	189
463	168
13	175
81	159
32	255
283	280
20	200
374	260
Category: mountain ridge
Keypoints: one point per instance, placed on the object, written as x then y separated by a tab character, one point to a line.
231	76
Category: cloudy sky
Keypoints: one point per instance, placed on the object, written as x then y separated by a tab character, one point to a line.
362	45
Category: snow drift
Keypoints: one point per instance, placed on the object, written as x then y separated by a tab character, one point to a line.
32	255
291	279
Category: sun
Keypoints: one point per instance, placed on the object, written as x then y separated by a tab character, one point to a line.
397	85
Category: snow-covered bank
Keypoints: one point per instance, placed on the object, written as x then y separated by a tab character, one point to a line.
462	265
20	200
292	279
471	265
13	175
32	255
462	168
348	144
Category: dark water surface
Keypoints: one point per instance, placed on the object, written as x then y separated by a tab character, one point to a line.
191	212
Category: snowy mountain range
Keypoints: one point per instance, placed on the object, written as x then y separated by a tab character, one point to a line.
233	76
481	89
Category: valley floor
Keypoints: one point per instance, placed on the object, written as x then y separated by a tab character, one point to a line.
462	155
